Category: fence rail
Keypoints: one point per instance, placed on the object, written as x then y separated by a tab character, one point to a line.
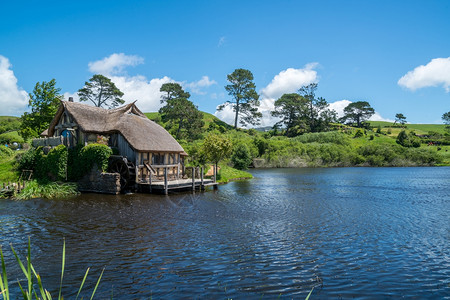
51	141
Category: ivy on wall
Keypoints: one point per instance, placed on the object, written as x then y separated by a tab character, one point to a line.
65	164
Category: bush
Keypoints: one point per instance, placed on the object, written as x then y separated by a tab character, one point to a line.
261	145
27	160
359	133
82	159
52	166
5	151
408	140
324	137
241	158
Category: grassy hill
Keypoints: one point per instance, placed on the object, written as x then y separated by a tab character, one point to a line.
418	128
9	127
207	118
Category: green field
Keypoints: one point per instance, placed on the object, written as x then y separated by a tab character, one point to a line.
418	128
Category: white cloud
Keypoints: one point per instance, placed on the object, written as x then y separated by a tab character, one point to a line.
226	114
114	64
339	106
142	89
196	86
13	99
435	73
378	117
289	81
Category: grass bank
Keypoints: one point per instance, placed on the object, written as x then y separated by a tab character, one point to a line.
227	174
49	190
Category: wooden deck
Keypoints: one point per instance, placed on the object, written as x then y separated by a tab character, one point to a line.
176	185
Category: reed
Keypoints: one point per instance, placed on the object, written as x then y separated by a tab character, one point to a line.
34	288
35	189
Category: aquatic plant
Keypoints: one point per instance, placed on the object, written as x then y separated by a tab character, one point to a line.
39	189
31	290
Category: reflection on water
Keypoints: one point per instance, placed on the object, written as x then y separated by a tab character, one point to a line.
350	232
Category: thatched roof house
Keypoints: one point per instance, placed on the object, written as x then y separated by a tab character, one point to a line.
145	144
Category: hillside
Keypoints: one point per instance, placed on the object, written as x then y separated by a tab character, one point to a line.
207	118
418	128
9	127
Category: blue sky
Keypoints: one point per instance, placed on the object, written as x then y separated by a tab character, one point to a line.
394	54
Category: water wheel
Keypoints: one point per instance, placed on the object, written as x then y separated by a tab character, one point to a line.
126	170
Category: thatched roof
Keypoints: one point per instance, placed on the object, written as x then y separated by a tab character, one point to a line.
141	133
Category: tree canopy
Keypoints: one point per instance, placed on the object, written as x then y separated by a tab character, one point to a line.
446	119
181	116
291	108
101	91
217	147
245	99
358	112
400	118
317	114
44	102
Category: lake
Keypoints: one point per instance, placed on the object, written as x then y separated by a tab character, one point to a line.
348	232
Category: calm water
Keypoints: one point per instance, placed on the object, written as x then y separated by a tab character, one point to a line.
349	232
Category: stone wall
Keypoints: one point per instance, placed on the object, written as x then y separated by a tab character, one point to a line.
98	182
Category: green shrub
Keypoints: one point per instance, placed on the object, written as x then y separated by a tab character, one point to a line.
5	151
82	159
359	133
52	166
27	160
380	154
241	158
261	144
408	140
332	137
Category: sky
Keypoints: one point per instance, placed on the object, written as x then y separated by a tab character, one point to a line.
393	54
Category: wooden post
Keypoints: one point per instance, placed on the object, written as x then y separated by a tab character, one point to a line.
201	178
214	172
166	187
193	179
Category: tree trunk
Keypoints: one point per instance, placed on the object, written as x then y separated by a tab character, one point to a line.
237	114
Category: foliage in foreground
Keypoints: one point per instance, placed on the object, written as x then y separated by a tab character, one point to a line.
33	279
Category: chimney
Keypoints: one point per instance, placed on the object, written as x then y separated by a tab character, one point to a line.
70	99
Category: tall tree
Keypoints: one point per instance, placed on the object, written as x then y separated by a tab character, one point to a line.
317	114
400	118
44	102
446	119
291	108
181	116
101	91
245	99
358	112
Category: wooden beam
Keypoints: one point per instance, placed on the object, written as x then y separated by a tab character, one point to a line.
201	178
193	179
166	185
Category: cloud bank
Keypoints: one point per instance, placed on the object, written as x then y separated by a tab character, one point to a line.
13	99
435	73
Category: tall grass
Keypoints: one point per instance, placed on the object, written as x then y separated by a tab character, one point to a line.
34	288
35	189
